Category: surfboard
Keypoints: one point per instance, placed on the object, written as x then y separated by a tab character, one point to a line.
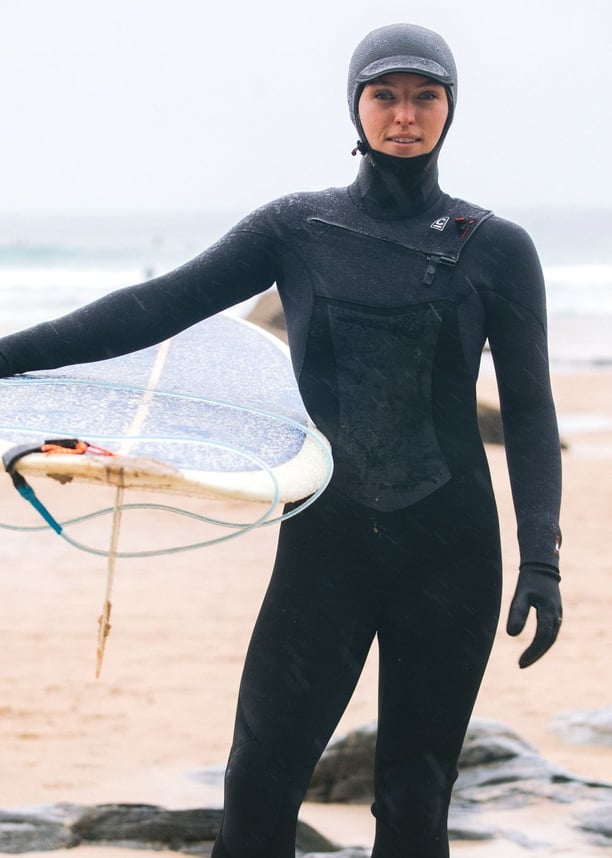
213	412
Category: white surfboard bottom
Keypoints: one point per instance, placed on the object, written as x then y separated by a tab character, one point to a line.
298	478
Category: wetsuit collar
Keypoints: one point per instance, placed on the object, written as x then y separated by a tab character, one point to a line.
388	187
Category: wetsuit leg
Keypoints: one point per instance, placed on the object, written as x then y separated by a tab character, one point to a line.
311	639
443	574
428	580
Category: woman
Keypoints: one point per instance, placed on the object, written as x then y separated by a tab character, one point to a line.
390	289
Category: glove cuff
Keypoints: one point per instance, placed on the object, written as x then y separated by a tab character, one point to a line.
541	569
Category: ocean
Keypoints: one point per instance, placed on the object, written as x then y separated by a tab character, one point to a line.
51	264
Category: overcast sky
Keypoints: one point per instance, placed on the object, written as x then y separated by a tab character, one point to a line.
155	105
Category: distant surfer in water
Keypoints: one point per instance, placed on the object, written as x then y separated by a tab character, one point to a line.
390	288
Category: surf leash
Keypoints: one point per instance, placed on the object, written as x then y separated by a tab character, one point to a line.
236	528
10	459
104	625
77	447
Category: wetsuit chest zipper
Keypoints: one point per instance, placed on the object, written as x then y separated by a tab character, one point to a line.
360	232
433	259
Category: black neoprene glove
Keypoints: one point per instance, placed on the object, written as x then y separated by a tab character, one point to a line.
537	587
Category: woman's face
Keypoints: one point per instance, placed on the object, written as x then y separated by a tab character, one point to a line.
403	114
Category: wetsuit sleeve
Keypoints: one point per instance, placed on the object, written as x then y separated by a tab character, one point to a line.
241	264
516	329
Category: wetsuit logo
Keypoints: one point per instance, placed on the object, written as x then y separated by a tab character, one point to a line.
440	223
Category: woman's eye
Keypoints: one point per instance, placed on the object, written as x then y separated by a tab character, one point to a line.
383	95
428	96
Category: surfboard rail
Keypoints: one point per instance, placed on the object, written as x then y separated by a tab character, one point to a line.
294	480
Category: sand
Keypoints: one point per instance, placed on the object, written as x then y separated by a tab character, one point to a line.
163	705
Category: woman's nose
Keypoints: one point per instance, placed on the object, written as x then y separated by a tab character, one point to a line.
404	113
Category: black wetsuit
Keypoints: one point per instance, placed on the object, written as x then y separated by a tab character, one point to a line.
388	308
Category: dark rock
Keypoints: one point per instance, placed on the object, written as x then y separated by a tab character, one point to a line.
39	829
201	850
461	826
350	852
498	769
496	766
493	761
491	754
598	822
593	727
309	840
490	742
176	829
344	772
146	823
63	826
489	423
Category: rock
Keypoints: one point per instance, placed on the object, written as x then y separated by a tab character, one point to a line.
344	772
599	823
64	826
491	742
489	423
498	770
593	727
492	753
308	839
145	823
494	759
496	765
471	832
175	829
41	828
351	852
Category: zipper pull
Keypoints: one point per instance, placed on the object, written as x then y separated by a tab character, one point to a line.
430	271
464	225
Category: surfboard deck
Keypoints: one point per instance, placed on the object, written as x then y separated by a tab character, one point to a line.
213	412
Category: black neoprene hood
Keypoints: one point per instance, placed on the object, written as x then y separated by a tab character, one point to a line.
401	48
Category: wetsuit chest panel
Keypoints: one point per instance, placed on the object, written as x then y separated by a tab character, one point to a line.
427	244
358	268
377	410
